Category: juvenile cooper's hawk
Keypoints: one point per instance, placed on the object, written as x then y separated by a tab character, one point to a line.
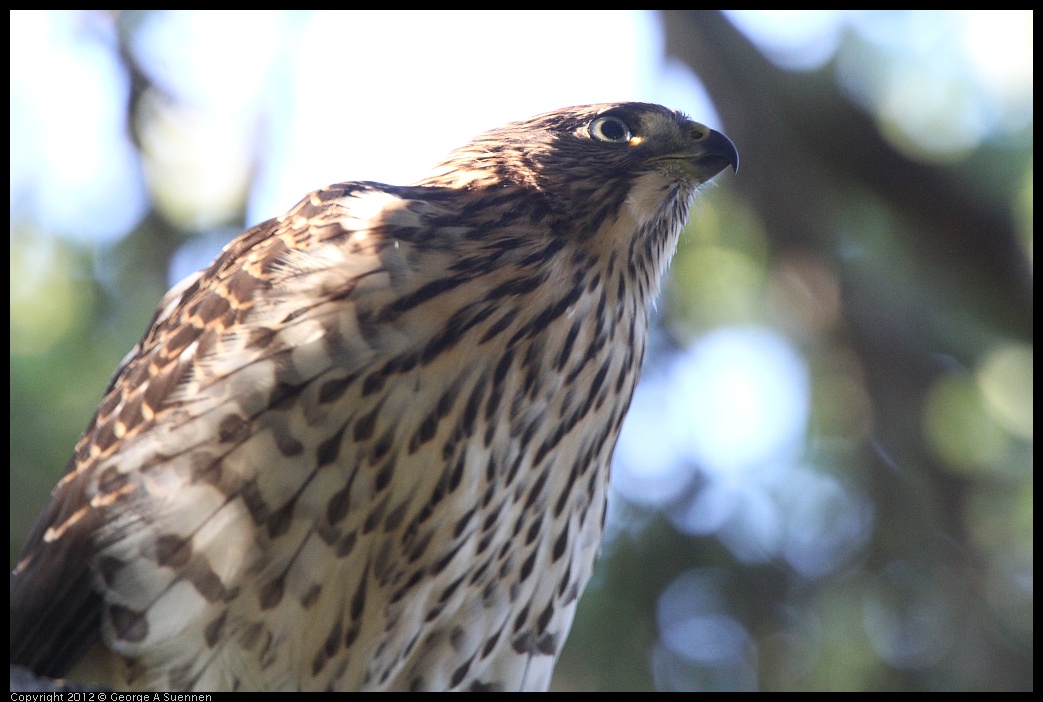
368	447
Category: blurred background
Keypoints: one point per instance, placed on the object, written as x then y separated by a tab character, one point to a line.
825	480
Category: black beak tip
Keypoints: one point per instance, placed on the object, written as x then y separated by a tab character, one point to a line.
721	147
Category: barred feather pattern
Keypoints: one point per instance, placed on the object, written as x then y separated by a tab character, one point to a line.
369	446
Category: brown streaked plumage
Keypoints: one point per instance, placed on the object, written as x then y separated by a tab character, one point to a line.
368	447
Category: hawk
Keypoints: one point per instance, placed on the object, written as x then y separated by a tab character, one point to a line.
368	448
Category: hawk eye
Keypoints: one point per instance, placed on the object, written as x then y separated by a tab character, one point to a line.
611	129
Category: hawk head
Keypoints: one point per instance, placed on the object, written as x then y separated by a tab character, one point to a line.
587	161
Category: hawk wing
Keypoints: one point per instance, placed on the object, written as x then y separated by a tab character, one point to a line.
282	305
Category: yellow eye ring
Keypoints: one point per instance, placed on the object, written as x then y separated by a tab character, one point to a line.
610	129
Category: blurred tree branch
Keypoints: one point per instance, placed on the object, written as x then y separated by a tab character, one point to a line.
805	147
800	137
